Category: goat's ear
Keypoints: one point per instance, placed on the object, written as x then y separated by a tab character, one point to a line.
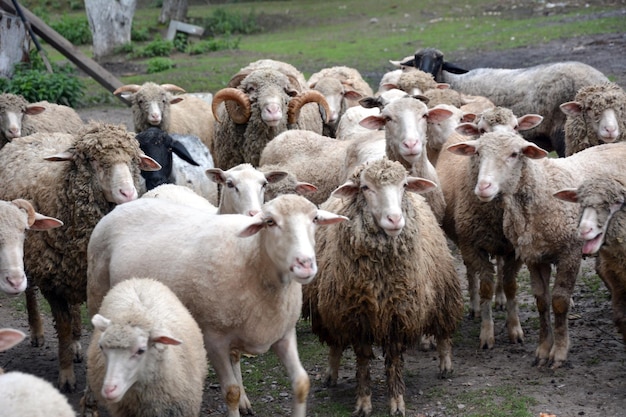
148	164
467	148
571	108
347	189
419	185
567	194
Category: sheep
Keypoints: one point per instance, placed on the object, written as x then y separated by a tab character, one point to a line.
385	277
539	89
146	355
245	292
542	229
178	166
476	227
155	105
77	179
19	118
288	185
597	115
260	103
16	217
181	195
25	395
601	226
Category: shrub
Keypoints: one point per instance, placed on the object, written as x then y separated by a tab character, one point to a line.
181	41
223	22
158	47
159	64
139	35
213	45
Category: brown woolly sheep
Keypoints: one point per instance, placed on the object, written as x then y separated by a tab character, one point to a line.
386	276
77	179
597	115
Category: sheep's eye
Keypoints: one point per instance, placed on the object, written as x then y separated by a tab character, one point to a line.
514	154
230	184
140	351
270	222
264	185
364	188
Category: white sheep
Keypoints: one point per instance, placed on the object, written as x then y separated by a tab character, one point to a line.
16	217
597	115
156	105
243	276
19	118
25	395
601	226
539	89
542	229
260	102
77	179
146	356
476	226
385	277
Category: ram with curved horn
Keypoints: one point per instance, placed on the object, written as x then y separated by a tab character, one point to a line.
261	101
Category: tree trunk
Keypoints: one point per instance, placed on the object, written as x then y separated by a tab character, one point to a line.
14	43
110	22
173	10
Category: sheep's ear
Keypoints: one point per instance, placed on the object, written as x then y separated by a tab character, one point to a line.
216	175
157	336
44	222
420	185
467	148
60	157
324	218
571	108
371	102
148	164
437	115
442	86
275	176
176	100
304	188
373	122
10	338
468	117
33	109
348	189
100	322
352	95
467	129
258	223
567	194
533	151
528	121
182	152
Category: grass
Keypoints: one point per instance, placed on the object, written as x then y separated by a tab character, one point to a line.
501	401
363	34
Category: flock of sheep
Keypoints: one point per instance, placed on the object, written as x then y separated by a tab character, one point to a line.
210	230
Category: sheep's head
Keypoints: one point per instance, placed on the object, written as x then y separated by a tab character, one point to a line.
268	92
12	111
431	60
150	102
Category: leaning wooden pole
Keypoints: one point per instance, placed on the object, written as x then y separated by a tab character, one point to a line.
58	42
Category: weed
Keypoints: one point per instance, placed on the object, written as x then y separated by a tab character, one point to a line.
158	47
74	29
159	64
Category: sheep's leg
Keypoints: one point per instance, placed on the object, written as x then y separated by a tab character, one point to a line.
540	282
287	351
473	290
394	365
485	270
444	349
334	360
63	324
364	355
501	299
617	288
77	328
244	403
477	265
566	274
35	322
510	268
88	404
219	356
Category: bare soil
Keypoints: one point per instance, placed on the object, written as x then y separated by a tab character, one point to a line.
593	382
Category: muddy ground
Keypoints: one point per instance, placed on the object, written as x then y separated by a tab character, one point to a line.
593	382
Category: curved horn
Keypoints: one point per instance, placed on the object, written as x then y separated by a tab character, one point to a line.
296	103
129	88
27	207
172	88
237	78
240	114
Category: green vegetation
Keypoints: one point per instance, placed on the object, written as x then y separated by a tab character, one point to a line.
502	401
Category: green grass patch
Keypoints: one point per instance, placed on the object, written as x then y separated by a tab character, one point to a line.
502	401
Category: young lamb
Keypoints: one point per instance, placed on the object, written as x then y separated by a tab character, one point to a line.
16	217
245	292
386	276
155	105
540	89
77	179
146	356
184	160
601	226
25	395
19	118
258	104
542	229
476	227
597	115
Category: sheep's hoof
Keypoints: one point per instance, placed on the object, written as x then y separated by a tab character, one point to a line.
329	382
446	373
37	340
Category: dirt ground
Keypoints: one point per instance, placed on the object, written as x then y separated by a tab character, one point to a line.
593	383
